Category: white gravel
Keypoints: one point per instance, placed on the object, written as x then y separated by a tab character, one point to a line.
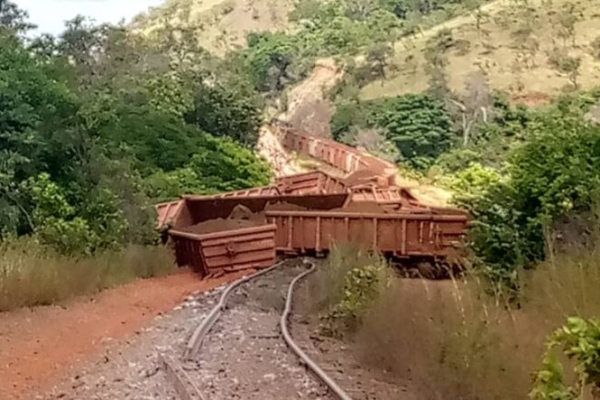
244	357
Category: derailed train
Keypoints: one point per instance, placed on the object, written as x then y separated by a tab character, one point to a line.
310	213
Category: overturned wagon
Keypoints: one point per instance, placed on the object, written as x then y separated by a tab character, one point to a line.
226	251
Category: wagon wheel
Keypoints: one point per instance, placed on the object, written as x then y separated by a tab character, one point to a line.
428	270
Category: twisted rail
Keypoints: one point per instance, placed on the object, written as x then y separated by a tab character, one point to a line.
313	366
195	343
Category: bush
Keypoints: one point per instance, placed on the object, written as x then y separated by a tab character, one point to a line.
228	110
495	236
344	288
579	340
475	346
224	165
551	177
32	274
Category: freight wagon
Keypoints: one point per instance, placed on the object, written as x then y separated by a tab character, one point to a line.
345	158
403	234
314	224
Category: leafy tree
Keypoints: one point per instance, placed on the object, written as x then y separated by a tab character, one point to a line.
348	114
12	18
31	108
417	124
269	60
227	110
550	176
165	186
224	166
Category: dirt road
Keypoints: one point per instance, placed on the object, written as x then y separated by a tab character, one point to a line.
41	346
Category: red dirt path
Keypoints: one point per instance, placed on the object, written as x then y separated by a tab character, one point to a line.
40	346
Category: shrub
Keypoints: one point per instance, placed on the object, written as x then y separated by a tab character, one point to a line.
579	340
228	110
417	125
362	286
494	237
343	289
475	346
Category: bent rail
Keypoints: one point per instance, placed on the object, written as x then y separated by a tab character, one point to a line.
313	366
194	344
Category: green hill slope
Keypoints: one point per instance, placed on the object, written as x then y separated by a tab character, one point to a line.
515	44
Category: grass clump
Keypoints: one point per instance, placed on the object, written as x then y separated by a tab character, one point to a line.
32	274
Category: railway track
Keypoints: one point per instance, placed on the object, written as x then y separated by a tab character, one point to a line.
243	348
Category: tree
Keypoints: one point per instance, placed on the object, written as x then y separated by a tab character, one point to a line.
227	110
418	125
567	65
360	9
595	48
269	59
476	103
567	18
378	57
437	61
12	18
222	165
32	107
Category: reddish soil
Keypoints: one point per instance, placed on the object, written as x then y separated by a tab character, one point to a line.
363	207
41	346
532	99
220	225
240	212
284	206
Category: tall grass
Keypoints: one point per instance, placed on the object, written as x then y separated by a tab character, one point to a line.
450	342
453	341
32	274
327	288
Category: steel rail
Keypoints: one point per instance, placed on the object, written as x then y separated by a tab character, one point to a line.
180	380
195	342
313	366
193	346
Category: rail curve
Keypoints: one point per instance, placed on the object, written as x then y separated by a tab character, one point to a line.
195	343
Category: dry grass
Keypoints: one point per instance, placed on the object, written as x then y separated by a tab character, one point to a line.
492	50
449	342
453	342
327	285
564	286
32	275
222	25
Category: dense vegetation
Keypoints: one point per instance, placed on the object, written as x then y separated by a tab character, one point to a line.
97	124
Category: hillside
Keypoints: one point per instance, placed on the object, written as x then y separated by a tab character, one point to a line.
510	43
221	24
